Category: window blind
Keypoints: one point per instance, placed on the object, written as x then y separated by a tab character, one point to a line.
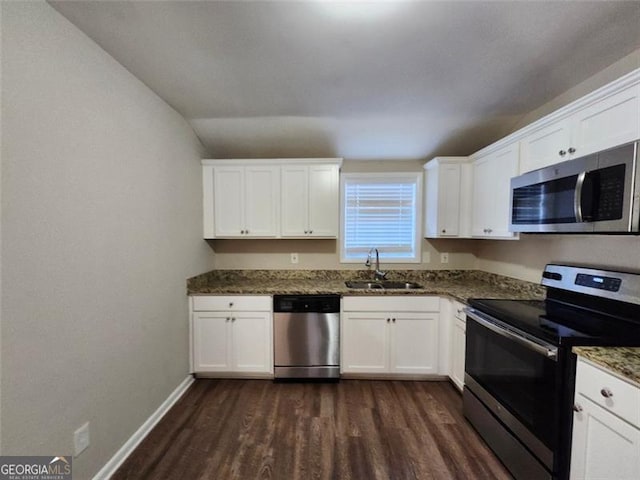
380	213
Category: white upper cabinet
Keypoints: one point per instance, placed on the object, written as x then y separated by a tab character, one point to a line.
546	146
245	200
612	119
270	198
491	192
310	200
447	199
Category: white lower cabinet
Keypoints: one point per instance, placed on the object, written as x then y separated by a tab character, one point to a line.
458	340
232	340
606	433
390	335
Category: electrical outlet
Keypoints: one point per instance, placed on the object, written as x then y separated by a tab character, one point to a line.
294	258
81	439
444	258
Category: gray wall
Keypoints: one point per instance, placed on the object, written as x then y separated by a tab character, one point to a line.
101	225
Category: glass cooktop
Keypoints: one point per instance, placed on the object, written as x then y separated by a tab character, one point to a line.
562	324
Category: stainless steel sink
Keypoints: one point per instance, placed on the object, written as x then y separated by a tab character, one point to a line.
387	284
401	285
362	285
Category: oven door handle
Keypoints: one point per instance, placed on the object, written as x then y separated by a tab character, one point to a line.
548	351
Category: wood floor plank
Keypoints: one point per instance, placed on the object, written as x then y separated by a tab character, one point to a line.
354	429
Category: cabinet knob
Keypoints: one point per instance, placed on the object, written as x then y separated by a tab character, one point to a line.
306	231
562	153
393	320
241	232
577	408
606	393
246	231
233	319
310	231
444	230
388	320
228	319
489	230
230	304
572	150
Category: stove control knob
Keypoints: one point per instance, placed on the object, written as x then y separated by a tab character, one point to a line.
577	408
606	393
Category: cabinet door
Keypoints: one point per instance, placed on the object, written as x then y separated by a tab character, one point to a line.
482	196
365	342
612	121
323	201
295	200
545	146
458	338
229	202
211	342
492	192
414	343
603	445
262	201
251	342
504	166
448	200
207	202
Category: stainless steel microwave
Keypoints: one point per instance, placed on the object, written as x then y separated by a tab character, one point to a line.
598	193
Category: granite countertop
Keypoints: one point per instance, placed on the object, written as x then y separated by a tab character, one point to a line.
459	284
623	361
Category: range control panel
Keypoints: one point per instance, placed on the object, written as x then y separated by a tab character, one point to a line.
611	284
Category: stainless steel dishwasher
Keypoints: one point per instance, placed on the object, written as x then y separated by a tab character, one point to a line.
306	330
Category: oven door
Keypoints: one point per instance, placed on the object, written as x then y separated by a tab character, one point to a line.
518	378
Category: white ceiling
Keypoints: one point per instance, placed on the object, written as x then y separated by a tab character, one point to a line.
360	80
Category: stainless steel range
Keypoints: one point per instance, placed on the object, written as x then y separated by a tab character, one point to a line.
519	368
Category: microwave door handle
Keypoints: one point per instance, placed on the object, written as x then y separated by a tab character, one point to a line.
577	197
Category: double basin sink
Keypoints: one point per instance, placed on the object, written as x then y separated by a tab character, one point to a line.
382	285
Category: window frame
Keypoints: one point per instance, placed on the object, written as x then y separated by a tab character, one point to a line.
414	177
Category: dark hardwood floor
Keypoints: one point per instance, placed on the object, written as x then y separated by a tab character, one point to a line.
354	429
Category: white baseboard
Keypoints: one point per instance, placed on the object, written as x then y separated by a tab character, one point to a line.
129	446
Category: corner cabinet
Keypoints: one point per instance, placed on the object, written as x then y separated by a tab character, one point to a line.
390	336
232	336
492	175
272	198
606	426
310	200
448	183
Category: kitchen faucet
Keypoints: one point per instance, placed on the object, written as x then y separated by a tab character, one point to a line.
378	275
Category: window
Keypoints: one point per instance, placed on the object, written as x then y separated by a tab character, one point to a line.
381	211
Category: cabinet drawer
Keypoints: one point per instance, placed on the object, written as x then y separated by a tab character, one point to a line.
624	400
406	303
232	303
